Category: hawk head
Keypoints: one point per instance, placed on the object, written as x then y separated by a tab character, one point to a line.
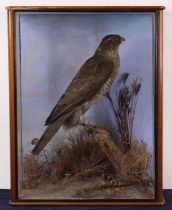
110	43
112	39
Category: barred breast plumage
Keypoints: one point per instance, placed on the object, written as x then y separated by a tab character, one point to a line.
74	119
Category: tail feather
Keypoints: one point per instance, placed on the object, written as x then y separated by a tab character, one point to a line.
49	133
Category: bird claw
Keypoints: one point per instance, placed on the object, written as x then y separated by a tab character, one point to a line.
90	132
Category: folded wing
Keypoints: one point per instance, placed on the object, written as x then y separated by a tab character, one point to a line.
83	87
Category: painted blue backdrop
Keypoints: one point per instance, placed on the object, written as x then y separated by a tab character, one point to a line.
50	48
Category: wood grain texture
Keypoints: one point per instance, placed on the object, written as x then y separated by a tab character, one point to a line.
159	195
87	203
12	104
159	149
87	8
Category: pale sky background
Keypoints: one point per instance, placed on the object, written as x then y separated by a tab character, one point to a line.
54	46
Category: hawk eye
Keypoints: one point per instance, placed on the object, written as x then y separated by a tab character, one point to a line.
109	39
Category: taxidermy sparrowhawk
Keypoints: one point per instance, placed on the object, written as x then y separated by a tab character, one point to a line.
93	81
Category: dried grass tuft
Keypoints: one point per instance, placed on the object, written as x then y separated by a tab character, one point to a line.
31	172
124	109
136	163
79	159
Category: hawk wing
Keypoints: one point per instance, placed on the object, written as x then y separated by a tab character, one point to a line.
88	81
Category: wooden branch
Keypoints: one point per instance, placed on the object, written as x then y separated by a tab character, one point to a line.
108	146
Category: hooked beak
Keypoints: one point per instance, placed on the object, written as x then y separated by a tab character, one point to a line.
122	39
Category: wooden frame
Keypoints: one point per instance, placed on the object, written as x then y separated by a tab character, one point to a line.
159	13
